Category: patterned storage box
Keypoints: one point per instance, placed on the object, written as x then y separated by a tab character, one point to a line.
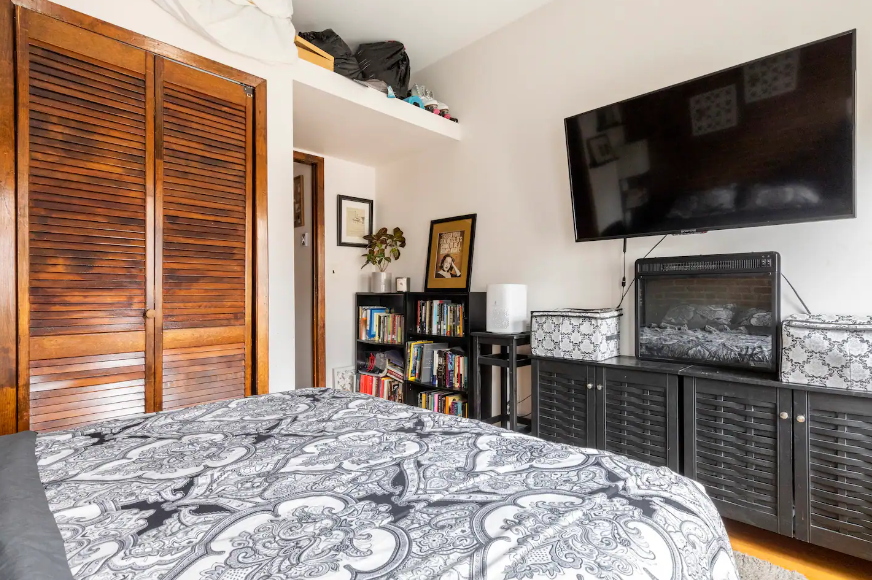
829	351
576	334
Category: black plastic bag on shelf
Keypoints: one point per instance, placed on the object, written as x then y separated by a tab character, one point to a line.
386	61
344	62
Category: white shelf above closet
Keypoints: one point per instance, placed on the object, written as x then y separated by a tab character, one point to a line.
337	117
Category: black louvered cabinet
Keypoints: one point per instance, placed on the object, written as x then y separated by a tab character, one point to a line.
622	410
737	443
833	470
792	459
564	403
637	415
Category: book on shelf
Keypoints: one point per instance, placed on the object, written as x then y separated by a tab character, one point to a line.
450	369
414	356
380	324
438	365
382	364
381	387
446	403
439	317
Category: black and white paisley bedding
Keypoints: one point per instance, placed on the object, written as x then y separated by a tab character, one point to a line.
327	484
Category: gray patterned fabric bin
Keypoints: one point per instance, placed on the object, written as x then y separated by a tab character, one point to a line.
576	334
827	350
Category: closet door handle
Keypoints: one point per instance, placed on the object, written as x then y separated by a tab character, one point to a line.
150	313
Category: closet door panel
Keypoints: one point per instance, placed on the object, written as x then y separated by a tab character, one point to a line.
85	225
204	202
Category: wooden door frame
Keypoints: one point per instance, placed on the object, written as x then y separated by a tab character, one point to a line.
319	355
8	230
9	280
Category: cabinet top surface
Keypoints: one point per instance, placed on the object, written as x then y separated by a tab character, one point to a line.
625	362
710	373
763	380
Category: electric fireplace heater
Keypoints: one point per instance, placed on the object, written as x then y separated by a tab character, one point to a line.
721	310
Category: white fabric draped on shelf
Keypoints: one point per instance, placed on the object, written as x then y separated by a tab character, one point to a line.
260	29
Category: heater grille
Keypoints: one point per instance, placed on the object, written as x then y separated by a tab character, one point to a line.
736	263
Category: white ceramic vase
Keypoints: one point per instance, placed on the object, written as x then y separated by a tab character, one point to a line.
381	282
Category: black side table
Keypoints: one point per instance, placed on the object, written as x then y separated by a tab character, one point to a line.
508	361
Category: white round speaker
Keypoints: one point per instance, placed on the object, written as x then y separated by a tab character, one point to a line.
507	308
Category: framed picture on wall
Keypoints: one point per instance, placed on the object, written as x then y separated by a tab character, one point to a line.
600	149
343	378
354	220
299	202
449	257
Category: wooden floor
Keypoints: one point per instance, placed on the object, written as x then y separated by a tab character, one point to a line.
814	562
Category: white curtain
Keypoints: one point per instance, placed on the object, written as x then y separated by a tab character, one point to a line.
261	29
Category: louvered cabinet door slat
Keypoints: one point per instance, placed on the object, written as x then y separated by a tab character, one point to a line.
637	415
564	403
738	445
204	198
833	466
85	202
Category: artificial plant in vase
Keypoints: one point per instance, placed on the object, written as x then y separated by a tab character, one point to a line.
383	249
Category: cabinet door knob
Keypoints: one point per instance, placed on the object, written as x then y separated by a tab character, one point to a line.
800	418
599	387
784	415
589	386
150	313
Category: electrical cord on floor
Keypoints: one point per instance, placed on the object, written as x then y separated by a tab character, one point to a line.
633	281
801	301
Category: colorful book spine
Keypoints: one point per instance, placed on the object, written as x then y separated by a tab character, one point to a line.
378	324
445	403
381	387
438	317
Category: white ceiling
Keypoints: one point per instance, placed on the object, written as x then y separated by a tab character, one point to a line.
431	30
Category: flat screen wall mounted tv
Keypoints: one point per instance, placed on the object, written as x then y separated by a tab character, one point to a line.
763	143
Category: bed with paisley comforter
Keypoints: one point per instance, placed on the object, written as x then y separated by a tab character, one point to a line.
328	484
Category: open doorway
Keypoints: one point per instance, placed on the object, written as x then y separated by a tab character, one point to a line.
309	249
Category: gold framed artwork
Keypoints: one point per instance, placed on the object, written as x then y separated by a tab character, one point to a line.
449	257
299	202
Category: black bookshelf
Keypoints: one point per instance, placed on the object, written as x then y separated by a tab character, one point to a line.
474	320
395	302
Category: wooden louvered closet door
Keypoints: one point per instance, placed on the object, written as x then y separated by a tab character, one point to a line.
85	203
204	183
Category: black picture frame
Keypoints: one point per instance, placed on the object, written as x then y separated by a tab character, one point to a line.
428	286
362	200
299	201
601	150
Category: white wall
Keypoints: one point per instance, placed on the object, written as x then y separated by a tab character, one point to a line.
342	267
303	284
145	17
512	93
